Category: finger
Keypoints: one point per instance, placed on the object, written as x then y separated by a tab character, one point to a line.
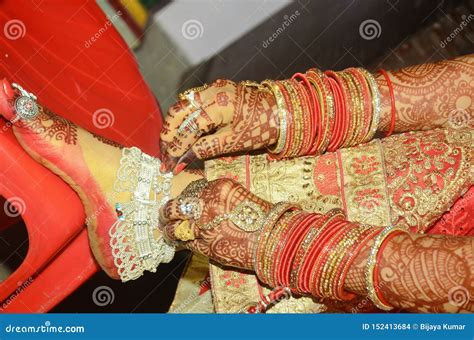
177	126
184	161
175	116
181	209
168	231
195	125
204	148
220	143
196	246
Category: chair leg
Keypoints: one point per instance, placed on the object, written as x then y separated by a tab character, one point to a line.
64	274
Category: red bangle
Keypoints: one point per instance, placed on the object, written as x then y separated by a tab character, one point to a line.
326	121
337	229
283	240
306	117
377	261
392	102
322	225
290	249
300	251
313	256
347	263
313	107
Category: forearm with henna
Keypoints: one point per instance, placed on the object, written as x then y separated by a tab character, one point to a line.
429	95
422	273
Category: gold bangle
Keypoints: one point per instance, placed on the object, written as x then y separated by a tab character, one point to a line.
269	222
376	107
371	263
366	113
282	227
358	111
297	119
337	255
327	110
352	111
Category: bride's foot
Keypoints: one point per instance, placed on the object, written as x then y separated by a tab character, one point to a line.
86	162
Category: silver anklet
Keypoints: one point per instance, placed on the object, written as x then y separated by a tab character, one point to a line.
134	247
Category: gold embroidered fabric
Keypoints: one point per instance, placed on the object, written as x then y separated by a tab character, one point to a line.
410	179
427	175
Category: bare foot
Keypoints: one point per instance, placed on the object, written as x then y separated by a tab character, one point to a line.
86	162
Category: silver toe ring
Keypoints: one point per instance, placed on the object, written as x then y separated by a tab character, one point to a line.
25	105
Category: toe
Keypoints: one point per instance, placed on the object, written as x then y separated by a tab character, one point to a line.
6	95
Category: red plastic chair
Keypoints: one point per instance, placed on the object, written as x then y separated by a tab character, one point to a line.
45	53
54	218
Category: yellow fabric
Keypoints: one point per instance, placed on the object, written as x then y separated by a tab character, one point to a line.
188	298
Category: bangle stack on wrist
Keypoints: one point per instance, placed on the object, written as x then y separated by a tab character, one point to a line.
311	253
323	111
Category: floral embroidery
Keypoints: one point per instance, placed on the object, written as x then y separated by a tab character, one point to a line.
368	198
365	165
222	99
426	175
234	279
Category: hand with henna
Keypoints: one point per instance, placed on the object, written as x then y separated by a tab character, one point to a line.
224	242
230	118
237	118
420	273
